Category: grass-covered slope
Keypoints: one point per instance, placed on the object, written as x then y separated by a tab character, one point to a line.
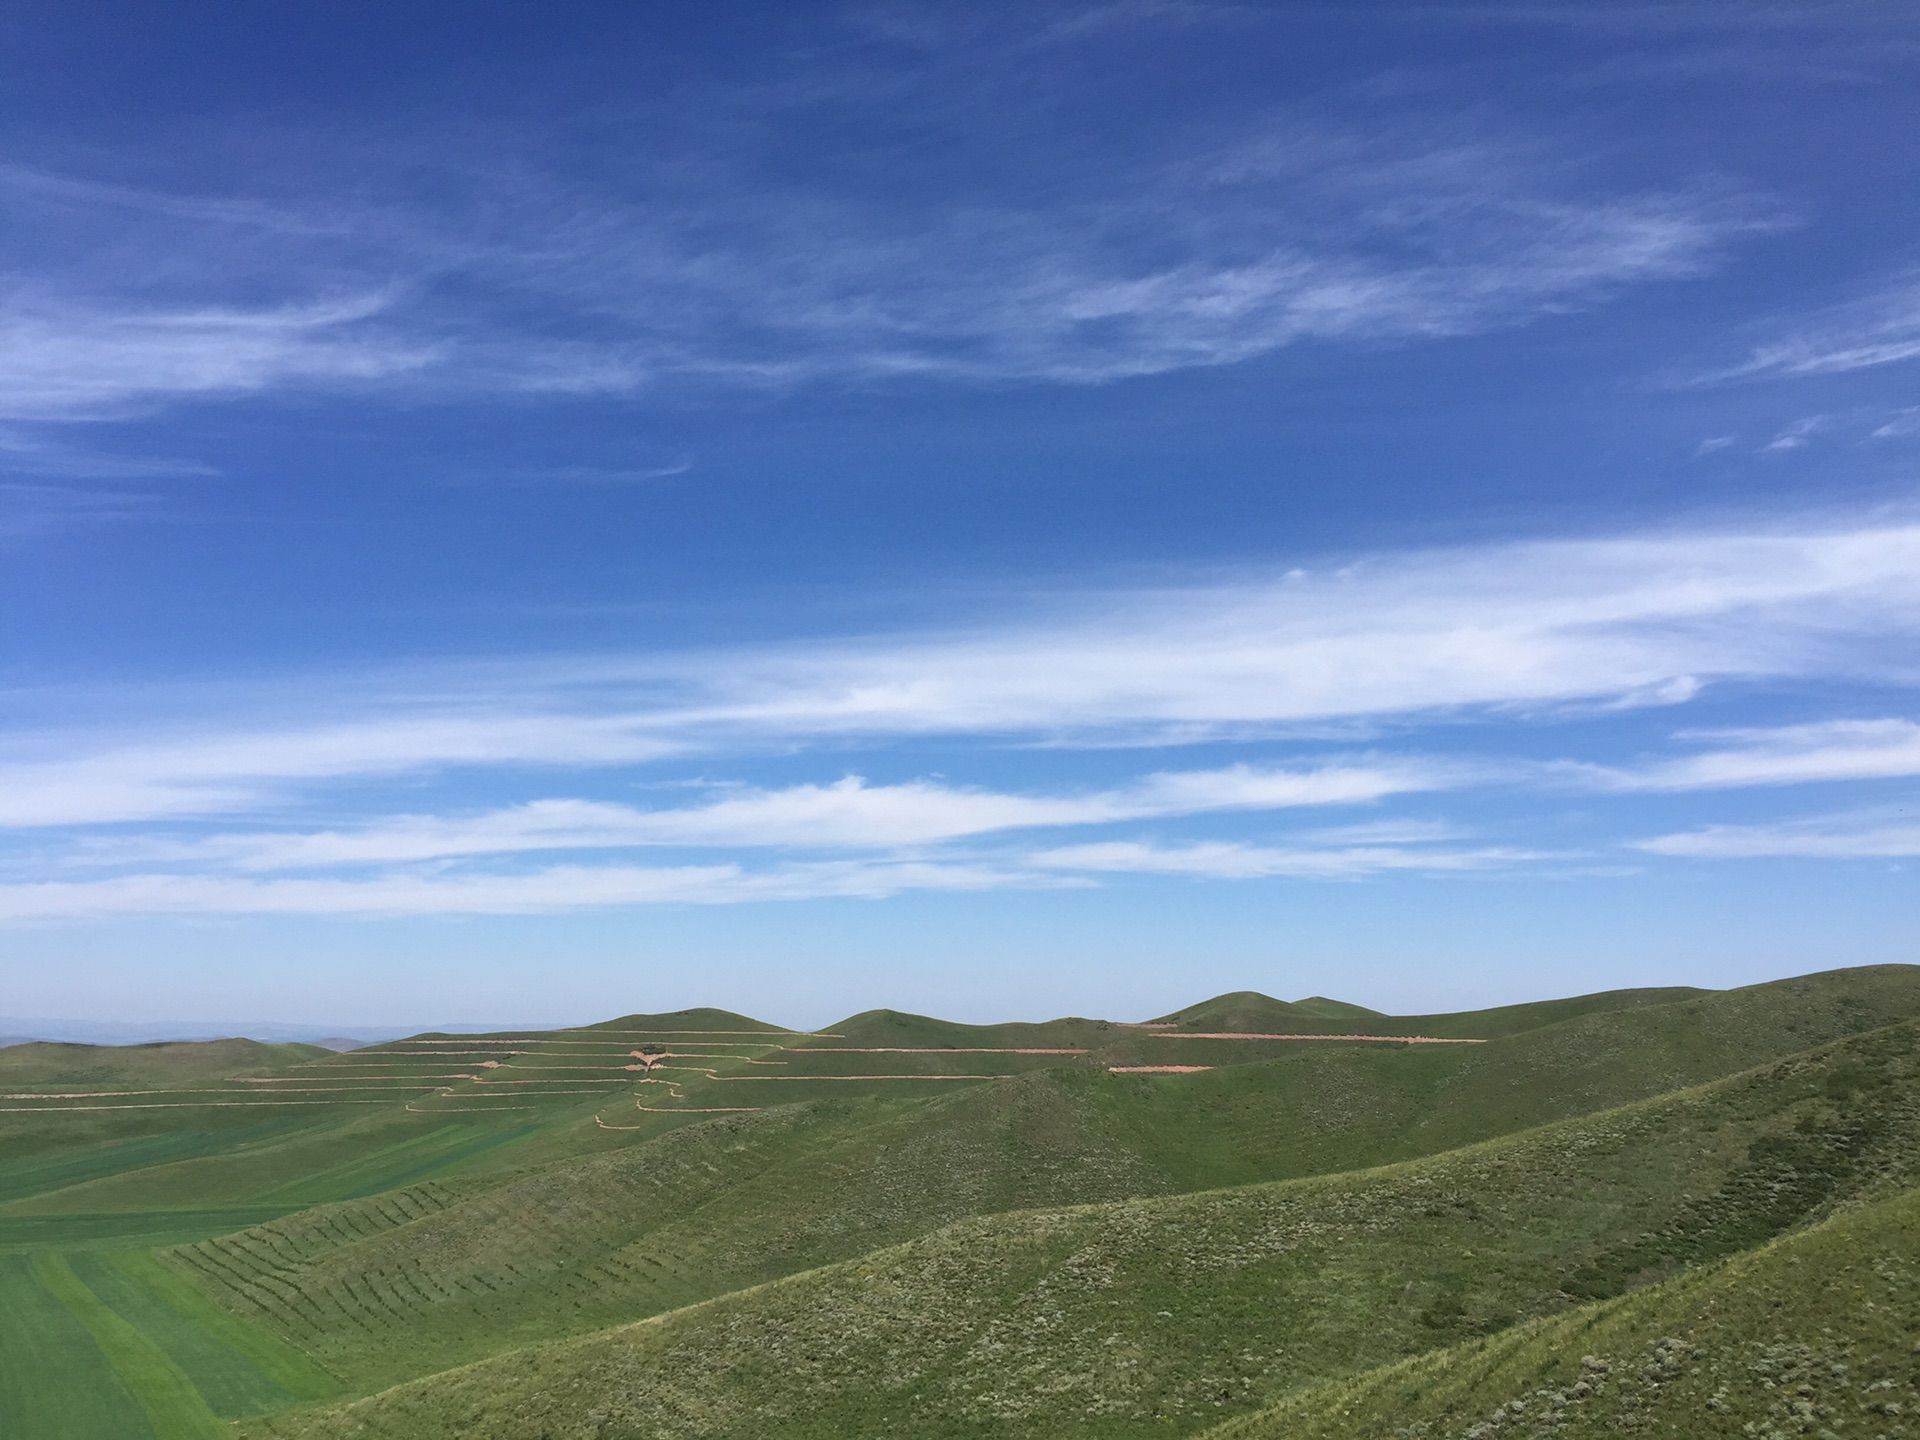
113	1346
1812	1334
48	1065
738	1200
1330	1009
1250	1011
1158	1316
701	1020
354	1152
898	1028
441	1199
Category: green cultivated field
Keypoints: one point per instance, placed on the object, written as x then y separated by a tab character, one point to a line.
1669	1212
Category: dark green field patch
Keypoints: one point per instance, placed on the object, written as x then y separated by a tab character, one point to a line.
438	1149
174	1409
121	1229
57	1383
48	1153
238	1369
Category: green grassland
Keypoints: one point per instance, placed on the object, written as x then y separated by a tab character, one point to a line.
797	1186
1133	1317
104	1344
1248	1010
49	1066
1812	1334
900	1224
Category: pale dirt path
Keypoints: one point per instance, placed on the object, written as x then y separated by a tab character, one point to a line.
1157	1069
768	1035
1373	1039
924	1050
195	1090
566	1067
350	1080
803	1079
178	1105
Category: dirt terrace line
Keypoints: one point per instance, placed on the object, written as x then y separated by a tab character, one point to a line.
1157	1069
758	1034
352	1079
927	1050
378	1075
560	1067
807	1079
178	1105
513	1095
1375	1039
191	1090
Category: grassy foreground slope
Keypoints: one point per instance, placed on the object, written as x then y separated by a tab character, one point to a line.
1813	1334
1160	1316
408	1281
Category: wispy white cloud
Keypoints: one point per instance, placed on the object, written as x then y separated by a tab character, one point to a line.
540	891
1882	329
66	361
26	184
1474	631
680	265
1796	436
39	454
1860	836
849	814
1832	750
1899	424
30	510
603	475
1505	626
1402	831
1227	860
239	770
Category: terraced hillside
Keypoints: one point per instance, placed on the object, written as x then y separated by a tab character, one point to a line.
280	1228
1134	1317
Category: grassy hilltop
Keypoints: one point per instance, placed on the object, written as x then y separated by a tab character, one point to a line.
700	1224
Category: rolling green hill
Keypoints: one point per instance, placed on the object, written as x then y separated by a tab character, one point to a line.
47	1065
791	1187
1328	1009
1250	1011
1134	1317
698	1223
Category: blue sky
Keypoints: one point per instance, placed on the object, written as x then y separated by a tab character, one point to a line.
998	510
